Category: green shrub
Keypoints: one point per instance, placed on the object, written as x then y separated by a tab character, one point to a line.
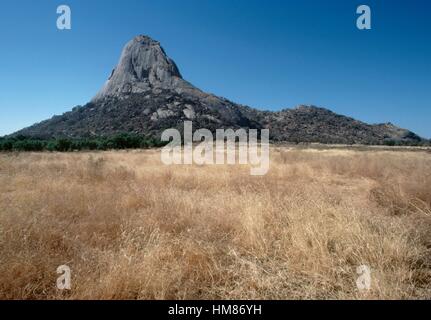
28	145
118	141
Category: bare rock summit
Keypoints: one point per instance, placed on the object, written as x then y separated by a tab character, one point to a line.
143	66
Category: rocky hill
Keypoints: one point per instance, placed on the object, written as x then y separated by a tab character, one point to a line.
146	94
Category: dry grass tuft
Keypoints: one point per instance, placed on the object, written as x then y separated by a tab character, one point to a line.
132	228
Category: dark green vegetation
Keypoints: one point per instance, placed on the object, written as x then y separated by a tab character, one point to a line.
118	141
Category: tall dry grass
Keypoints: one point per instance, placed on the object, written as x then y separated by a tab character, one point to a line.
132	228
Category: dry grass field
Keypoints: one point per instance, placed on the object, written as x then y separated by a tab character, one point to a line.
130	227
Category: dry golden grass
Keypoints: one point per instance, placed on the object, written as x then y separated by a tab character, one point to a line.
132	228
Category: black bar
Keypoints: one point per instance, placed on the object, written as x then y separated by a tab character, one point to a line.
215	309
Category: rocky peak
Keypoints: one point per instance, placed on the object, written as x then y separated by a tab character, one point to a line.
146	94
143	66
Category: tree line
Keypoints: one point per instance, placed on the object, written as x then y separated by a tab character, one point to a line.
118	141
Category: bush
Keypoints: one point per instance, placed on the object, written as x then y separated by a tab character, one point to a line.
118	141
6	145
28	145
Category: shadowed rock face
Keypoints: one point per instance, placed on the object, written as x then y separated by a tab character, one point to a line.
146	94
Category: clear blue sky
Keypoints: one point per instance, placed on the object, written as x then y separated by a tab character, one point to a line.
267	54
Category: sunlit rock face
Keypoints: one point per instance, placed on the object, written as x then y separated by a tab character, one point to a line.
143	66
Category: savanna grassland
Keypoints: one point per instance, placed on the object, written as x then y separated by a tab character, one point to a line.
130	227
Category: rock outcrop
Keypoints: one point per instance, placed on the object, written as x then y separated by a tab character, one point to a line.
143	66
146	94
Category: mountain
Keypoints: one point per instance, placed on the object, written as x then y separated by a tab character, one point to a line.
146	94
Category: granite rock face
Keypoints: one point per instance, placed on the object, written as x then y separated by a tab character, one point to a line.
146	94
143	66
